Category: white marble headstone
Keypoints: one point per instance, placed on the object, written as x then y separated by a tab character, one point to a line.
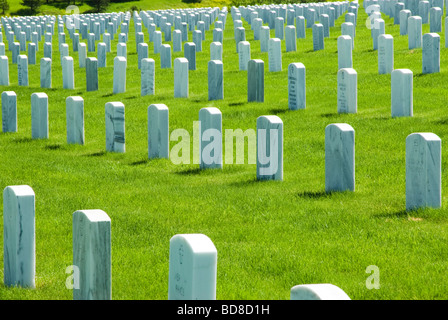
402	93
210	140
269	148
324	291
75	119
297	86
115	127
347	90
192	268
92	255
39	115
158	131
19	257
339	157
423	171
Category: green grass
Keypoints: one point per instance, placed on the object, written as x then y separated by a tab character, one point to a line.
270	236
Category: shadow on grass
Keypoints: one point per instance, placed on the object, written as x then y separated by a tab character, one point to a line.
107	95
139	162
22	140
314	194
131	97
329	115
278	111
251	181
397	214
96	154
53	147
189	171
234	104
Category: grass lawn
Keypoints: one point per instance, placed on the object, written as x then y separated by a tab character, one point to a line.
270	236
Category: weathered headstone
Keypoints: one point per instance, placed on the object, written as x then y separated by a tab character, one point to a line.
158	131
431	53
255	81
193	268
91	74
92	255
269	148
45	73
147	76
435	15
181	83
215	80
22	70
39	115
347	90
115	127
423	171
297	86
74	106
9	111
102	55
402	93
190	54
339	157
210	154
31	53
19	244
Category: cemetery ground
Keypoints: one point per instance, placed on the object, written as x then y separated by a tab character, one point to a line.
270	236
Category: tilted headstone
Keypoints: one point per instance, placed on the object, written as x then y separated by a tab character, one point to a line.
297	86
423	171
147	76
74	106
92	255
255	81
321	291
269	148
39	115
158	131
19	244
192	268
210	154
402	93
181	82
9	111
347	90
339	157
115	127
